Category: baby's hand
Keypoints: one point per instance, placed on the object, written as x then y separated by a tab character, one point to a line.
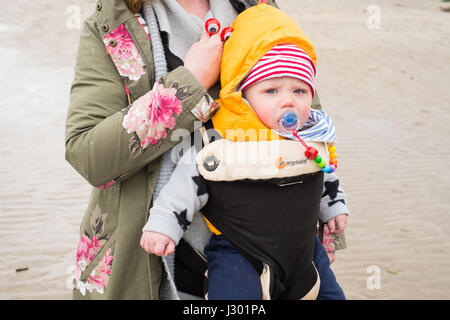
157	243
337	224
331	256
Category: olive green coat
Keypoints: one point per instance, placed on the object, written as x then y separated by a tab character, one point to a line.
110	262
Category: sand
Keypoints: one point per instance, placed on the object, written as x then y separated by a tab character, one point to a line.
384	81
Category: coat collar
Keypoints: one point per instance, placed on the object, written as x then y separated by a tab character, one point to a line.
110	14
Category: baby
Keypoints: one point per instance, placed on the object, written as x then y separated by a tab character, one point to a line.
264	243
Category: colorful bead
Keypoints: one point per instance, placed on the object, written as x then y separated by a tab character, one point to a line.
332	149
322	164
311	153
318	159
328	169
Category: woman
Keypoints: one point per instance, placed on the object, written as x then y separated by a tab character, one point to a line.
123	64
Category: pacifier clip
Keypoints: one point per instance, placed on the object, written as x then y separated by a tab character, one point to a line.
212	26
312	154
289	122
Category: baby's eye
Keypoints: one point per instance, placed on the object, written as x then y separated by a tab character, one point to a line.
299	91
270	90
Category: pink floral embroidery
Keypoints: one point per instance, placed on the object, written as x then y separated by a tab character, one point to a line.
205	108
98	279
124	53
152	114
86	252
328	240
107	185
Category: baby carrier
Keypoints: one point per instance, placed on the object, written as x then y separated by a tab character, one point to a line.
268	211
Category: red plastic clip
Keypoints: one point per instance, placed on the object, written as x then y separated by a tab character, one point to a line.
226	33
311	153
212	26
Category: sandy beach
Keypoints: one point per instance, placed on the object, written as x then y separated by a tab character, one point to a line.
383	76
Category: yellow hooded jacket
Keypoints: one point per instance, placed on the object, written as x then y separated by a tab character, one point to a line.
256	31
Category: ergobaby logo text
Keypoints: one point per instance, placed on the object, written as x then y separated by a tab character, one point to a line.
281	164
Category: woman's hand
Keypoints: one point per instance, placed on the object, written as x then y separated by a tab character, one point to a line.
203	59
157	243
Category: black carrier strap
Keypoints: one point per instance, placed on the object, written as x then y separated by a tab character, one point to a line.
208	125
197	137
190	269
212	133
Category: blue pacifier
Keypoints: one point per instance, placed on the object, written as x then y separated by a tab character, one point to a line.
288	121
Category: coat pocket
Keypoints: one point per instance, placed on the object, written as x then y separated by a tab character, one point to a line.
94	263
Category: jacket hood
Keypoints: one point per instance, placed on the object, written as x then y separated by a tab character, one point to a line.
256	31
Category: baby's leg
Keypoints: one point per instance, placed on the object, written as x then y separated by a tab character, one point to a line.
329	288
230	275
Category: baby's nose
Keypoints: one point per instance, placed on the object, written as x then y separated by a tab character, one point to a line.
287	102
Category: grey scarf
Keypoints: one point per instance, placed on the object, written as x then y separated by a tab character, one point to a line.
167	289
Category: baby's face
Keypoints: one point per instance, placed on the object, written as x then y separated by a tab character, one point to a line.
272	97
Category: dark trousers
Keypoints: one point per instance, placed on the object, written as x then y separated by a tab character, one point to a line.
232	277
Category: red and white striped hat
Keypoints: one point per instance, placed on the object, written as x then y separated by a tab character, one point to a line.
284	60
